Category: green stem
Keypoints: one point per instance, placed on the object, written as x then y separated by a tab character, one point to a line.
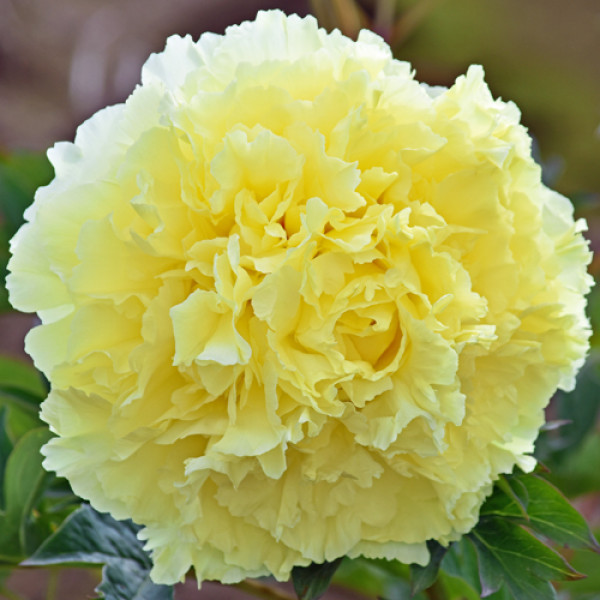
260	590
52	584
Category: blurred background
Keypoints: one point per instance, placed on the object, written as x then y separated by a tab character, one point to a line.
61	60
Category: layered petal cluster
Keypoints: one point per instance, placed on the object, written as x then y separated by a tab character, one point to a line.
296	305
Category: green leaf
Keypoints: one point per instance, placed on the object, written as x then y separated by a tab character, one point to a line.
361	575
516	491
509	554
20	400
580	408
19	422
551	514
461	562
18	376
5	450
90	537
491	571
21	391
457	588
24	479
589	588
507	501
459	574
312	582
21	388
508	560
5	573
20	175
423	577
126	581
377	578
579	472
534	502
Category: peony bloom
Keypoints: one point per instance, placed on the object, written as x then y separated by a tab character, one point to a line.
296	305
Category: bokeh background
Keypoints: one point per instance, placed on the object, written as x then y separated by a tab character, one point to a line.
61	60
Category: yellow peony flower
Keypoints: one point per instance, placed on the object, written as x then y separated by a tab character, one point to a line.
296	305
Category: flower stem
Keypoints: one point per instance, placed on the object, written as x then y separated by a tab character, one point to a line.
52	588
260	590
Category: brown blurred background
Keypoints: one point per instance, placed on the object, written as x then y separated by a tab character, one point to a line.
61	60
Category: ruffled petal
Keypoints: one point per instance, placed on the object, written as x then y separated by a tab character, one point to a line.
295	305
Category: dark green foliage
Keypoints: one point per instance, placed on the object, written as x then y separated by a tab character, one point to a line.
312	582
508	555
88	537
23	484
423	577
545	511
20	175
